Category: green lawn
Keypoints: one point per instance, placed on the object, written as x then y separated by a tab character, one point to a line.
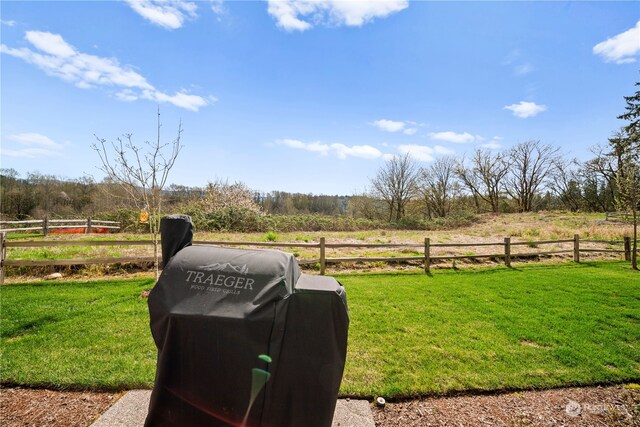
410	334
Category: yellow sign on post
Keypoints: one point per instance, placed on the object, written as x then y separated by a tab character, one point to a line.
144	217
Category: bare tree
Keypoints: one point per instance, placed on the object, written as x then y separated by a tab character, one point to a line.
531	164
484	177
365	205
567	185
438	186
603	166
142	171
396	184
220	195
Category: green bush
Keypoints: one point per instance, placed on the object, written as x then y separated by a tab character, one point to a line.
453	220
270	237
234	219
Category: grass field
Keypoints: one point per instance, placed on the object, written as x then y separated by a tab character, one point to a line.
528	228
410	334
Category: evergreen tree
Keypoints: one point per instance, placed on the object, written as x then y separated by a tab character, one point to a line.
626	147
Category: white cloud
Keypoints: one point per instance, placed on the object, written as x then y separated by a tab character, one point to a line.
39	146
620	48
407	127
9	23
315	147
30	153
32	139
58	58
340	150
492	145
439	149
169	14
52	44
180	99
294	15
362	151
127	95
423	153
526	109
389	125
217	6
449	136
515	59
523	69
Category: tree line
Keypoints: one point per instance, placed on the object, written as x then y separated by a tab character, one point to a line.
531	176
35	195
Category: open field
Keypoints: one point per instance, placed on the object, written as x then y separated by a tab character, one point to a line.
525	228
410	334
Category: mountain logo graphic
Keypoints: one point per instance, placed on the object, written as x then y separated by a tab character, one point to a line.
241	269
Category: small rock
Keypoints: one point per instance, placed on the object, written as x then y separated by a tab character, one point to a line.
53	276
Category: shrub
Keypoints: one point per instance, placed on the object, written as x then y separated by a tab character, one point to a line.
239	219
270	237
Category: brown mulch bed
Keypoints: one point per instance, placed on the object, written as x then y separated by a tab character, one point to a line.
587	406
21	407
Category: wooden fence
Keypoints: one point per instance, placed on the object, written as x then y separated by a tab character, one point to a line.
616	216
46	225
426	248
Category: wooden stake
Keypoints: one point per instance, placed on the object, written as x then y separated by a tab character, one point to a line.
427	255
323	261
507	251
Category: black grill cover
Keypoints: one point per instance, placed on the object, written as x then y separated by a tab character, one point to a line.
216	313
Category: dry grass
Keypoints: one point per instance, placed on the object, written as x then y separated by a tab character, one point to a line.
530	227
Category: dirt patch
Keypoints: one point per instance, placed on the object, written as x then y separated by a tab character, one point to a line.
587	406
20	407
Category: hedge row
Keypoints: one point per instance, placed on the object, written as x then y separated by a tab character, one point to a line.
245	220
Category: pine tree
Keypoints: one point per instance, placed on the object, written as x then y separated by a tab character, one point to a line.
626	147
633	116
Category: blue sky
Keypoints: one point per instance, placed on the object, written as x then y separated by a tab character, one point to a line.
309	96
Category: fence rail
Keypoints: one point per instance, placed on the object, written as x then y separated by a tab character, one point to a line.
88	225
613	216
427	256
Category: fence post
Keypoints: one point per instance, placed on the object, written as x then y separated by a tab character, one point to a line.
323	261
627	248
606	216
427	255
45	226
89	225
3	255
507	251
576	248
